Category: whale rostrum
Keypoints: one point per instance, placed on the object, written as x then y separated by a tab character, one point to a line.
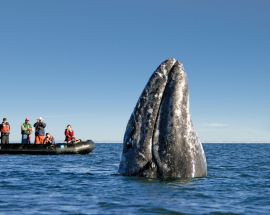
160	141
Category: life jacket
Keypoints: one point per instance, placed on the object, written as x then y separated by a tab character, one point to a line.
69	135
5	128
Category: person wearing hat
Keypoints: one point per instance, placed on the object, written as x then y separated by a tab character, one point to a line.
39	131
5	131
26	130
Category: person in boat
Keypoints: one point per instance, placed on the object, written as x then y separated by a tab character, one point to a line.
26	130
39	131
5	131
69	134
49	139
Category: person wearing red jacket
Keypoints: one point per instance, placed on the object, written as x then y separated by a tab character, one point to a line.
69	134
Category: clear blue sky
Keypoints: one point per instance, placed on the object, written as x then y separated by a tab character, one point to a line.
86	63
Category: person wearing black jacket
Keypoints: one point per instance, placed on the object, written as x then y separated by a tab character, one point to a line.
39	131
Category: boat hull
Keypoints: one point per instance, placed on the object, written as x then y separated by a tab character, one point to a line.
83	147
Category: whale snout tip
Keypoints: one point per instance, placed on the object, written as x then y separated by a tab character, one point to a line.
179	65
171	60
168	64
175	62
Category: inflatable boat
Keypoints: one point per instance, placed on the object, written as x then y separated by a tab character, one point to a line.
83	147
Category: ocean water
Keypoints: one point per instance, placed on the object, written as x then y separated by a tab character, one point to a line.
238	182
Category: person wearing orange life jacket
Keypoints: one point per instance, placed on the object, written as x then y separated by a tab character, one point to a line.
5	131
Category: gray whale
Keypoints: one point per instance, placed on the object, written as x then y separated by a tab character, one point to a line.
160	141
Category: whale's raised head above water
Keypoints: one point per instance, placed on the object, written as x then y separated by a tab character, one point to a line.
160	141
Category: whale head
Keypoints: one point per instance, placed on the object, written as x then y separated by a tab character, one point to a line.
160	141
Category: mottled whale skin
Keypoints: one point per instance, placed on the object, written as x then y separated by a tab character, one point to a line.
160	141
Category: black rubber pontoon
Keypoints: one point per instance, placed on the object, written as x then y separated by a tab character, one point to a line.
83	147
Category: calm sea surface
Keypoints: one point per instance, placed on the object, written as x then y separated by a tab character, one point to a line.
238	182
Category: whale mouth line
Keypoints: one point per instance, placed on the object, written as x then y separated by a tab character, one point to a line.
174	62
